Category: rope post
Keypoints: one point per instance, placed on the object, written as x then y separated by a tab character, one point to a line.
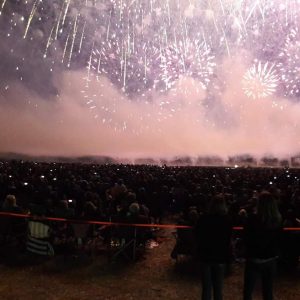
134	244
109	256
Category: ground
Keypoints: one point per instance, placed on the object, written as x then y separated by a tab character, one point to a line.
156	276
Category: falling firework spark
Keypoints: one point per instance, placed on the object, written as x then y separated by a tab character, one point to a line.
2	6
32	13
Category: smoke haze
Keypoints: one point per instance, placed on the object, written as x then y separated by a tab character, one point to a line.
230	125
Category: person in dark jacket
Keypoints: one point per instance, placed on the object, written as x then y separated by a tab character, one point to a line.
214	231
262	233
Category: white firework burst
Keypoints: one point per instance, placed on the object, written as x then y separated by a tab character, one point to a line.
260	80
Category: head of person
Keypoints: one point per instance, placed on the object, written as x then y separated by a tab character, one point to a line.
217	205
243	213
267	210
10	201
193	215
134	209
63	204
131	197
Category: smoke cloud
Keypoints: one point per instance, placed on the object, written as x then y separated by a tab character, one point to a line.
228	125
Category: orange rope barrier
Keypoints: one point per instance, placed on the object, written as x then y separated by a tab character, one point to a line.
7	214
90	222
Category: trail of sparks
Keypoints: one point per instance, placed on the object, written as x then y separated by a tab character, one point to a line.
32	13
65	48
57	24
66	11
2	6
73	40
48	42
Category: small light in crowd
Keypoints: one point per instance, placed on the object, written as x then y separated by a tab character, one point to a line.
42	176
236	166
54	179
25	183
70	200
270	182
275	177
288	176
9	176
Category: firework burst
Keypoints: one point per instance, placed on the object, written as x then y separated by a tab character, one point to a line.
187	58
260	80
289	64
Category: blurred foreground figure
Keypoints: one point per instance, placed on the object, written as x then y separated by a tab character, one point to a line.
262	233
214	235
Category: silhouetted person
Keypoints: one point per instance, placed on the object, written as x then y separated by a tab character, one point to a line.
214	235
262	233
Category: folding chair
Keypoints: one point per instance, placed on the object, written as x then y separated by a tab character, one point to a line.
5	229
38	239
123	242
12	230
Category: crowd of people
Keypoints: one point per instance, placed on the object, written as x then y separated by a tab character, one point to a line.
210	199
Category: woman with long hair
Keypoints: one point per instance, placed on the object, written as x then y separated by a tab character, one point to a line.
262	233
214	236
